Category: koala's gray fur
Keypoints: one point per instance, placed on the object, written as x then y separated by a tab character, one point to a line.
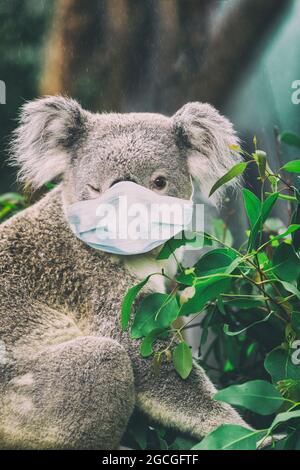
71	378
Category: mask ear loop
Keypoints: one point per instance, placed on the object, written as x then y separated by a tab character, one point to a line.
193	189
191	200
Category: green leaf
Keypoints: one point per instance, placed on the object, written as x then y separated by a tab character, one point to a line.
186	278
206	290
257	395
262	162
183	360
235	171
163	445
6	210
252	205
286	197
296	323
273	181
254	301
128	301
155	311
296	220
235	333
50	185
12	198
205	324
291	288
169	247
214	262
268	205
228	366
182	443
293	441
251	349
290	138
291	229
230	437
147	344
279	364
266	208
284	417
286	263
195	240
292	166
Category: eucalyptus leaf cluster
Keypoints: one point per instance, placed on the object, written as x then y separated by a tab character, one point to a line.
249	297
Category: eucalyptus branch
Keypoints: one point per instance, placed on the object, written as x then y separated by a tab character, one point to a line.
277	175
269	297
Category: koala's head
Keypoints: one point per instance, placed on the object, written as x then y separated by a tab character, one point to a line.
94	151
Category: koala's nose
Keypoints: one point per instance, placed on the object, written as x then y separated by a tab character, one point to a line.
126	178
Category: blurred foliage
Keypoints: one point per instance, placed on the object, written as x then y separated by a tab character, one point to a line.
10	204
23	25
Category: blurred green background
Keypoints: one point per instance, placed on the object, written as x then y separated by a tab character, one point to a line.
154	55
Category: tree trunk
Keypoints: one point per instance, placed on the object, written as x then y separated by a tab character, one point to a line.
154	55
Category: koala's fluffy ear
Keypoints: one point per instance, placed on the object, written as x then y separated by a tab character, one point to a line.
207	137
50	129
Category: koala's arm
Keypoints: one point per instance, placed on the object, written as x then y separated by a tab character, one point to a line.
186	405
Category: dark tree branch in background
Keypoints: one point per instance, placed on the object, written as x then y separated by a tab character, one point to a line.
87	52
180	37
71	43
233	46
163	51
153	55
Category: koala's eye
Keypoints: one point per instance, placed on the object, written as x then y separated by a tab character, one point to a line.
160	182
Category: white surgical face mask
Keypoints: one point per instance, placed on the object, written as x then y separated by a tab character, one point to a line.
129	219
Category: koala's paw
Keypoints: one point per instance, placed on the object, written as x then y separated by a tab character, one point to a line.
78	394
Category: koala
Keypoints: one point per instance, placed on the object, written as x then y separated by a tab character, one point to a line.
70	377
